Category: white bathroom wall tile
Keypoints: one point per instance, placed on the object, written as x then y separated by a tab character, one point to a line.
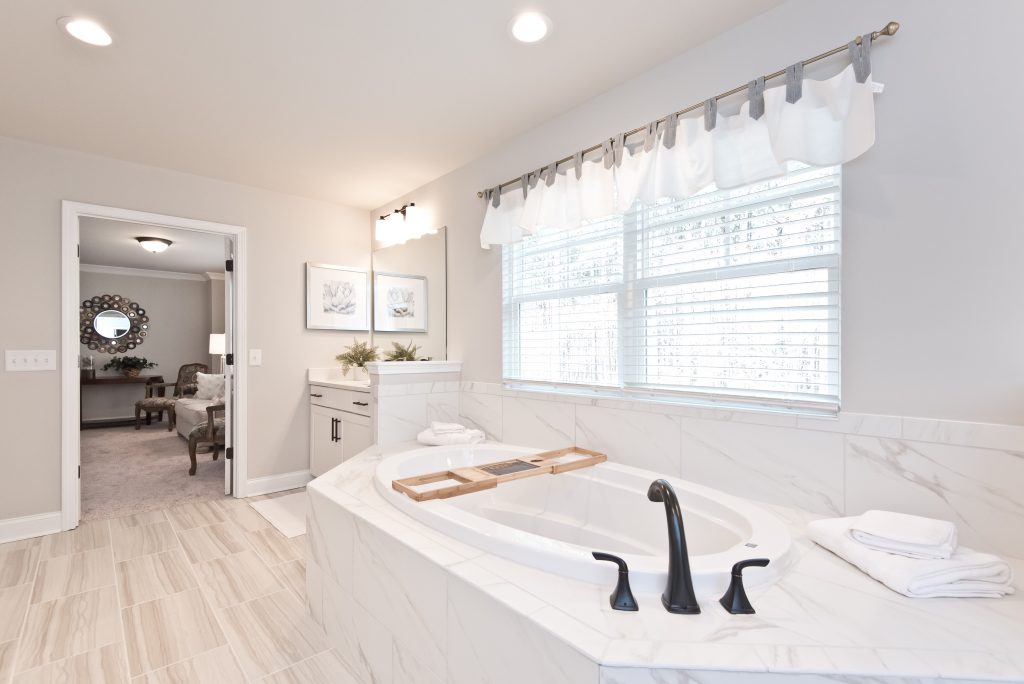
539	424
443	407
357	637
643	440
408	670
492	388
787	466
482	411
978	489
981	435
400	419
330	537
405	591
315	592
855	424
492	643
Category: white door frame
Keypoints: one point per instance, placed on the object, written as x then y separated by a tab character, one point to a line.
71	212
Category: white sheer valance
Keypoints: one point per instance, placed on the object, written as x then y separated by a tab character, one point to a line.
829	123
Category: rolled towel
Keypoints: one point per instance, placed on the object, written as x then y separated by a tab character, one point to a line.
443	428
967	574
431	438
905	535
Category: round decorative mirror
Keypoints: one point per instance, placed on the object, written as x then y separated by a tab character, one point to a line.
112	324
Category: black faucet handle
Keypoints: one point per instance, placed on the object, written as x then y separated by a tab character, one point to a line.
735	598
622	597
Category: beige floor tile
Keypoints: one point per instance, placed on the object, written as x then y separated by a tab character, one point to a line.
93	534
68	626
213	541
162	632
299	544
271	633
132	542
73	574
199	514
246	518
7	652
324	668
106	664
13	604
20	544
18	566
293	575
272	546
236	578
213	667
145	518
154	576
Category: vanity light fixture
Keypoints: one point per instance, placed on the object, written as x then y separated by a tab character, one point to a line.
530	27
85	30
402	225
154	244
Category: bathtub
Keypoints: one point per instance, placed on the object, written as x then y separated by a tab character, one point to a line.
554	522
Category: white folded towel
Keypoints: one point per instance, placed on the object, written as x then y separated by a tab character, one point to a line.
432	438
443	428
966	574
905	535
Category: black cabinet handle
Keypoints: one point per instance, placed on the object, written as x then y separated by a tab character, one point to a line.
334	429
360	403
318	396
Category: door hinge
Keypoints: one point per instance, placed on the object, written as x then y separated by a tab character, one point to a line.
229	453
78	251
79	472
229	265
229	360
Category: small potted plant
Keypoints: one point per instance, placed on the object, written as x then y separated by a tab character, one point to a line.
402	353
357	356
130	366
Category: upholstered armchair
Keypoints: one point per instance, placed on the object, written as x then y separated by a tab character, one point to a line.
156	400
210	431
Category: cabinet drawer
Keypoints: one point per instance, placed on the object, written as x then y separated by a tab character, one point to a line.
340	399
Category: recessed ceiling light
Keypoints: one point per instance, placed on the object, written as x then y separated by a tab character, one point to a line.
530	27
85	30
155	245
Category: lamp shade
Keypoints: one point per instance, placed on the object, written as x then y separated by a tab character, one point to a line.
217	344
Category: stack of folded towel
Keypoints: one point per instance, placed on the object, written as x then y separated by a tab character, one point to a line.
445	434
918	557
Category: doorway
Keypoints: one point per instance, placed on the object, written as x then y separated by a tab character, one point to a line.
160	439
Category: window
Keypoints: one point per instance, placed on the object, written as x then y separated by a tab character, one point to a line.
728	296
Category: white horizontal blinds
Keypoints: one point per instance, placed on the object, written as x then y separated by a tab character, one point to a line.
738	292
561	305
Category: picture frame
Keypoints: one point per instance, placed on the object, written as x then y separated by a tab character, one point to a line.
399	303
337	298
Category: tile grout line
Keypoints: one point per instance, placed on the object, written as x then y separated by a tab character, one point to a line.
120	608
24	618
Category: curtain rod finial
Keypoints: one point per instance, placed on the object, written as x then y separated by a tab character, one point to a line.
891	28
479	194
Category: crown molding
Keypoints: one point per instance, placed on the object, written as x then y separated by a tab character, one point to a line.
140	272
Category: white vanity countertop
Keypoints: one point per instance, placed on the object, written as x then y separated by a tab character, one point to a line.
824	616
333	377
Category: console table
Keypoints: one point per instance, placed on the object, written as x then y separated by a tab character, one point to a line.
108	380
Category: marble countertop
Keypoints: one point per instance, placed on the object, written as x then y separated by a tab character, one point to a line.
823	617
355	385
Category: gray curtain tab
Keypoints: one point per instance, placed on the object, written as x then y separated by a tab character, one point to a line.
611	149
495	196
860	55
668	138
552	172
710	114
577	164
794	82
755	95
524	181
650	136
535	176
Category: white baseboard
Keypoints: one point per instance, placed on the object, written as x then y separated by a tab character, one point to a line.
277	483
13	529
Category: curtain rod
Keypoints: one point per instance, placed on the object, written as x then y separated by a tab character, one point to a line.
889	29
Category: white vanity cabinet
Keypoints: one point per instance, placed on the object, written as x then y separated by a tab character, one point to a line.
339	424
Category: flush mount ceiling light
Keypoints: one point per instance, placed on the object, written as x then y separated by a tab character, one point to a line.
85	30
530	27
155	245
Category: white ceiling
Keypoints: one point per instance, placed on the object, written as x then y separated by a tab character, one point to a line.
352	102
112	243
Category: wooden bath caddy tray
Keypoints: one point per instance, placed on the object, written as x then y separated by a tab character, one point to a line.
490	475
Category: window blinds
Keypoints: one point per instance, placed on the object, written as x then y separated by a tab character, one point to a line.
729	295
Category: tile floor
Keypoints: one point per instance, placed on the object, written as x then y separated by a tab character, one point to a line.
202	592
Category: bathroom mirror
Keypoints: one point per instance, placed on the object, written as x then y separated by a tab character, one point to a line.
410	296
111	324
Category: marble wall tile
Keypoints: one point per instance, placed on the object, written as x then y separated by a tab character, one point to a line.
539	424
443	407
644	440
778	465
401	418
978	489
357	636
330	537
483	411
981	435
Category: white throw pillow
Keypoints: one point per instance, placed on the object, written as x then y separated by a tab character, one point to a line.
209	385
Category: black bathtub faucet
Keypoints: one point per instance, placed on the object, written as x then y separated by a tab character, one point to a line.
678	596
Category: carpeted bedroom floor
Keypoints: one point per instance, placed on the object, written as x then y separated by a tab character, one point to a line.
126	472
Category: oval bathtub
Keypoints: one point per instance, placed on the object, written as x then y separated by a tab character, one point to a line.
554	522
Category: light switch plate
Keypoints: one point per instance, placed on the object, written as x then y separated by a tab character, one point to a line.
30	359
255	357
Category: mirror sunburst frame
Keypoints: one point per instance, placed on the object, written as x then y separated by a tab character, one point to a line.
136	324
